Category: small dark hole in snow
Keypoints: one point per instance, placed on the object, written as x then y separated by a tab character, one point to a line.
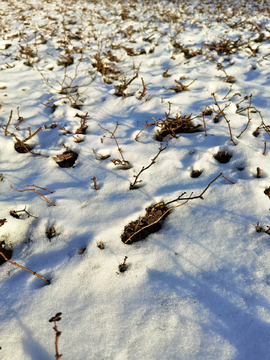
223	157
22	149
67	159
256	133
196	173
240	168
267	192
7	252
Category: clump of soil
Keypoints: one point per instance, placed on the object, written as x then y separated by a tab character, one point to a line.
267	192
67	159
256	133
223	157
196	173
123	267
150	223
7	252
22	148
51	233
172	126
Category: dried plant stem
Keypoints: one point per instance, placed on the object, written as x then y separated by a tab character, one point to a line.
22	267
24	210
249	118
57	336
146	126
204	121
9	120
54	319
147	167
38	187
228	121
258	173
31	135
143	93
35	191
118	147
264	151
87	201
195	197
95	182
228	179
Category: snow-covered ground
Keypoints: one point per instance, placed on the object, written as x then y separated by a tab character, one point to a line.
199	288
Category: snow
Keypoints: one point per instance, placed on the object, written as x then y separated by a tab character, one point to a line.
199	287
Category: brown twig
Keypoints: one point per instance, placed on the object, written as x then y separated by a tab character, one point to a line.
14	212
248	113
57	334
118	147
95	182
83	125
9	120
146	126
31	135
103	157
258	173
77	138
228	179
38	187
33	190
22	267
133	185
228	121
144	91
264	151
204	121
195	197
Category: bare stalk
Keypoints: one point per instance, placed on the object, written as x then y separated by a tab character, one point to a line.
22	267
133	185
35	191
118	147
228	121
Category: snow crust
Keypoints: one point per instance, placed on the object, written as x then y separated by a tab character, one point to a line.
199	287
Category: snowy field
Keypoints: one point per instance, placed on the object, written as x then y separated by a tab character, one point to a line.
135	180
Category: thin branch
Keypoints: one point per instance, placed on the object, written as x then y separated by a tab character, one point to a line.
264	151
24	210
22	267
118	147
132	186
31	135
38	187
87	201
228	179
249	118
35	191
95	182
9	120
204	121
228	121
146	126
195	197
57	334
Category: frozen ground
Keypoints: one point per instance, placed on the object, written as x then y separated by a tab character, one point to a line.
199	288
